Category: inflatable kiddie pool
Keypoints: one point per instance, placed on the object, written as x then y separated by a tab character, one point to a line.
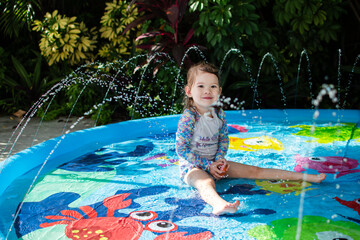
121	181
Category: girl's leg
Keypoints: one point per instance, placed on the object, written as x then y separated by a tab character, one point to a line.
238	170
203	182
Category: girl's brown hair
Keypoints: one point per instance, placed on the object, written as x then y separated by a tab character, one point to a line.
191	74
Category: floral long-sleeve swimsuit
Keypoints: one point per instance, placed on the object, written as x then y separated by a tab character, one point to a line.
189	158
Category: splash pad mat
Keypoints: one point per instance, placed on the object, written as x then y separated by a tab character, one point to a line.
121	181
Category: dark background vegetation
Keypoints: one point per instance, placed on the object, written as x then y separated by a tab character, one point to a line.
329	31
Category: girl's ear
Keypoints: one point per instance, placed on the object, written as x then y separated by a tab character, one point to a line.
188	91
220	90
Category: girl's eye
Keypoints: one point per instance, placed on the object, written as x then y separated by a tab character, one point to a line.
213	86
200	86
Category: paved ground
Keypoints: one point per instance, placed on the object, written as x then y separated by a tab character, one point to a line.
47	130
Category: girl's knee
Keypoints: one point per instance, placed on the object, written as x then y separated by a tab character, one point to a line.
198	177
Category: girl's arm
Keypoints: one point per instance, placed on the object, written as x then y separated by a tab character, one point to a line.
184	135
223	138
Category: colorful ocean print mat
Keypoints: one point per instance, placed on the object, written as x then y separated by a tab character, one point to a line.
131	189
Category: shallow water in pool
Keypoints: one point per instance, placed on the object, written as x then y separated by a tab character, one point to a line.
136	183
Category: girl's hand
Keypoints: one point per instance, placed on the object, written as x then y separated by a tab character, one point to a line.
218	169
224	168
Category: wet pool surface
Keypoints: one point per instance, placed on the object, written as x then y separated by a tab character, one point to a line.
132	189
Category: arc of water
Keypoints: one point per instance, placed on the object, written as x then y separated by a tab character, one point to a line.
42	118
17	127
326	89
57	144
357	125
153	57
167	108
47	108
350	80
75	103
34	108
29	114
304	53
44	163
111	84
114	87
339	75
101	105
252	80
278	76
28	191
90	80
38	173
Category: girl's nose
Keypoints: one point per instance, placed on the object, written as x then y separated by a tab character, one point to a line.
207	90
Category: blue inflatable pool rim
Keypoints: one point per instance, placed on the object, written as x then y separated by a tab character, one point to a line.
64	148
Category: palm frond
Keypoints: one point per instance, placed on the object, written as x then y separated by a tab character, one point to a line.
16	15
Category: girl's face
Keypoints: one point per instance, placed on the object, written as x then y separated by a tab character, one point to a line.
204	91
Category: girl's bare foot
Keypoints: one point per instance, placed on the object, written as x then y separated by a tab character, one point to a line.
228	208
316	178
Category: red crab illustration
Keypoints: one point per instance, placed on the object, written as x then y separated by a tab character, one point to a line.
110	227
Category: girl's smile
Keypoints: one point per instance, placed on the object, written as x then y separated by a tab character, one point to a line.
204	91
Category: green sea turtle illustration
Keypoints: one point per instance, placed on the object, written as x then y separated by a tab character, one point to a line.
312	227
284	187
329	134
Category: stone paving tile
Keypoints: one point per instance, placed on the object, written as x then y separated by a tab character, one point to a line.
46	131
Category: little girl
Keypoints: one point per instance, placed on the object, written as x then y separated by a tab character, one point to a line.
202	143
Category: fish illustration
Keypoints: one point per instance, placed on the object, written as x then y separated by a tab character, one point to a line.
234	128
284	187
332	164
163	156
255	143
354	204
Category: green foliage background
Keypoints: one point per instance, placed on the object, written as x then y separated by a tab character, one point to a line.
282	28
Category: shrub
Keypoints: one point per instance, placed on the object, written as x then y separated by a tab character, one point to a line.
118	14
64	39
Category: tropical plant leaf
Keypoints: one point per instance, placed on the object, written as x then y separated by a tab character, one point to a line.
178	52
167	39
173	14
145	46
24	75
153	34
17	14
189	35
37	73
137	21
10	82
